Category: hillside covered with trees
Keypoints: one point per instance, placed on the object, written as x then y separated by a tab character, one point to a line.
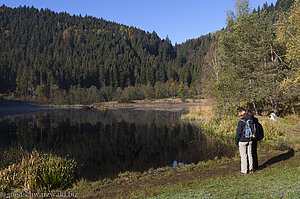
48	54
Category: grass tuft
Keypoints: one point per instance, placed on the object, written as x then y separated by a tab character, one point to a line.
36	171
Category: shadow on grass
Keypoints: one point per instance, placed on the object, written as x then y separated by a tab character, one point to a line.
277	159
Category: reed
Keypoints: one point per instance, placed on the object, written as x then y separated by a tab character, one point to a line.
37	172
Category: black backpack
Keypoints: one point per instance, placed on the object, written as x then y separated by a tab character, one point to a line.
253	130
260	132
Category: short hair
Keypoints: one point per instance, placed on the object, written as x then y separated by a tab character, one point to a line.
250	112
242	112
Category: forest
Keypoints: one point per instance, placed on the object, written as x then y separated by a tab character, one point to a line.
47	54
64	59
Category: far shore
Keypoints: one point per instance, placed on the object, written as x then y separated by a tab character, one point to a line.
10	107
171	104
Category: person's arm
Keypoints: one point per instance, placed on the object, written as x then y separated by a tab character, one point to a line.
239	132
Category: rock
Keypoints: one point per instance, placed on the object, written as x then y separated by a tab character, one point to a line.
274	117
174	164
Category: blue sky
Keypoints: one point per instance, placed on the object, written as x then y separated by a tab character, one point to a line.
179	19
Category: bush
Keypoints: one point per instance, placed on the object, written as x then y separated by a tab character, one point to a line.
125	100
39	172
134	93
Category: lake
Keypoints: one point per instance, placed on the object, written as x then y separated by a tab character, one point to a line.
105	143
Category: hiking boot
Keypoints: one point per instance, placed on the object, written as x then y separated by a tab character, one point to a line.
241	173
251	171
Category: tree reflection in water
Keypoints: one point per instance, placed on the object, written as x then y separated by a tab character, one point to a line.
109	142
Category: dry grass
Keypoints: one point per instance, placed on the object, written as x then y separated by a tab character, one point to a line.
36	172
204	111
286	131
281	135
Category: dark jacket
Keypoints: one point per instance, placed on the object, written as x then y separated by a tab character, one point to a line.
240	130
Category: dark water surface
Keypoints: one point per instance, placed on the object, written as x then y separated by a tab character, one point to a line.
109	142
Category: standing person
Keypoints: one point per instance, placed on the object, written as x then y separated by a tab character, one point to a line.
254	142
259	136
244	143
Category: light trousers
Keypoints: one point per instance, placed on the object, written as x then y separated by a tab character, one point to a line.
246	153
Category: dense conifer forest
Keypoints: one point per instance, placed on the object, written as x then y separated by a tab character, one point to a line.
44	53
74	59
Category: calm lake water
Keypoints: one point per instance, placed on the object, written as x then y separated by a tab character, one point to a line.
105	143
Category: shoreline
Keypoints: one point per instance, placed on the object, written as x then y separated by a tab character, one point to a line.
12	107
167	104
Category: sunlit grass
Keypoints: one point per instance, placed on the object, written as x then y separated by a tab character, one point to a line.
277	182
278	135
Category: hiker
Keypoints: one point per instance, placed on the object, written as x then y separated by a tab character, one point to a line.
254	143
259	136
244	142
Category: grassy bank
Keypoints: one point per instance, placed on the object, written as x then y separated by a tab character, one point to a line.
278	177
280	181
283	134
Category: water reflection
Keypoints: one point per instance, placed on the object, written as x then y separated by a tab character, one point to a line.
109	142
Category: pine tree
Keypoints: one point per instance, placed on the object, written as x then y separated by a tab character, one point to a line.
247	71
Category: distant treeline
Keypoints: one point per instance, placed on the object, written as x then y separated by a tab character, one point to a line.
78	95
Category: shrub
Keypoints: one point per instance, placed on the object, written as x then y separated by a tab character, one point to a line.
125	100
39	172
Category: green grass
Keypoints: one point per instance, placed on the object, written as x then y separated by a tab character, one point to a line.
212	179
277	182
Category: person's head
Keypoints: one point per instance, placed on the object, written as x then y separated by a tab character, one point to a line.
250	112
242	112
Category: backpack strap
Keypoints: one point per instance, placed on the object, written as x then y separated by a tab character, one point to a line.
243	129
244	120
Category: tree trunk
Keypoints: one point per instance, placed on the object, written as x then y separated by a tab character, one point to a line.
293	109
254	106
41	78
274	105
